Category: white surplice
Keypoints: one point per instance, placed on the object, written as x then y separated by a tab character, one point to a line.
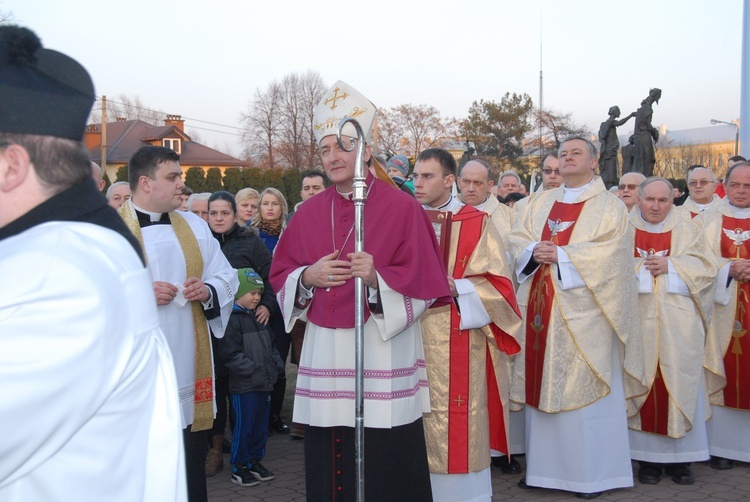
166	263
395	379
88	395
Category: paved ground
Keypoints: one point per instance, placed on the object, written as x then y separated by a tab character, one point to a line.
284	457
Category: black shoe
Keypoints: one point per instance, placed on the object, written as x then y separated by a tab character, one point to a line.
522	484
277	425
648	473
589	496
260	472
506	467
681	474
721	463
243	477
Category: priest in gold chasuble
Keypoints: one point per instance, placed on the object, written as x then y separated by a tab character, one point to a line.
465	341
582	339
676	275
726	226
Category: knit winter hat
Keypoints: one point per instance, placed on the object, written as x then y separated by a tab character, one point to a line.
249	281
399	162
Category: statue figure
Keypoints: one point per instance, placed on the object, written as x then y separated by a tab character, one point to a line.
627	155
644	155
610	145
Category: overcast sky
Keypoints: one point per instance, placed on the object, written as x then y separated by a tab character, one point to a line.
204	60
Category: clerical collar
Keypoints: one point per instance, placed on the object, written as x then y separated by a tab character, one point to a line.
702	207
345	195
570	195
654	228
154	217
442	207
481	206
350	195
739	212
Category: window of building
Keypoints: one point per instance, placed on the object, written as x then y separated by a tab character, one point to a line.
173	143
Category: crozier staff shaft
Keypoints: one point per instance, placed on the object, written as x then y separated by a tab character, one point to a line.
359	195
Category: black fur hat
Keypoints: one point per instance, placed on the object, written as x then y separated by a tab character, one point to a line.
42	92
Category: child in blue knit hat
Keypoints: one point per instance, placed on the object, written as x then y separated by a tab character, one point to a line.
254	365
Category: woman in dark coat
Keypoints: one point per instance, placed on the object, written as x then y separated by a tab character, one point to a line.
243	249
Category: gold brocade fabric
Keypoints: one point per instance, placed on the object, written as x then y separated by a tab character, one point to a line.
689	206
502	216
203	400
577	361
674	326
489	257
720	329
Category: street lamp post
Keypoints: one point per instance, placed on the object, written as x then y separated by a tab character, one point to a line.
736	137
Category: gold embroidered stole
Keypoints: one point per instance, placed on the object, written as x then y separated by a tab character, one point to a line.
203	408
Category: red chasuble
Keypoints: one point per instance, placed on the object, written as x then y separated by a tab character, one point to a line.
472	222
655	409
560	223
735	243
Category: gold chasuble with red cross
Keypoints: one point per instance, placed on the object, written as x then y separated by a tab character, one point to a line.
561	221
675	308
469	386
576	312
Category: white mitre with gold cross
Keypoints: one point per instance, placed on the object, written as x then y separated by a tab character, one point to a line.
338	102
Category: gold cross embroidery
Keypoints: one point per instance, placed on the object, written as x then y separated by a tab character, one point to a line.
464	261
737	333
459	401
334	98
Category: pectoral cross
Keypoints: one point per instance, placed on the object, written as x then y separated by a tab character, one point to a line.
334	98
459	401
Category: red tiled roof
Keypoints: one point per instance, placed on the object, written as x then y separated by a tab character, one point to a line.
126	137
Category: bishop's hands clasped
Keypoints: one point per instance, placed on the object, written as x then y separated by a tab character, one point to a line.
329	271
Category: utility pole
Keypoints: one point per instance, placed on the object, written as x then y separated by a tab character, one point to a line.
104	134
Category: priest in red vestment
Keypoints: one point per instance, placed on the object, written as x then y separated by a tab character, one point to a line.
726	227
469	384
313	272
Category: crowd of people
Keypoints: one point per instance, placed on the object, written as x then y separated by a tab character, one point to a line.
149	320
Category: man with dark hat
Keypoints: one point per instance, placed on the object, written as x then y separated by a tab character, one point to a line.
89	389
